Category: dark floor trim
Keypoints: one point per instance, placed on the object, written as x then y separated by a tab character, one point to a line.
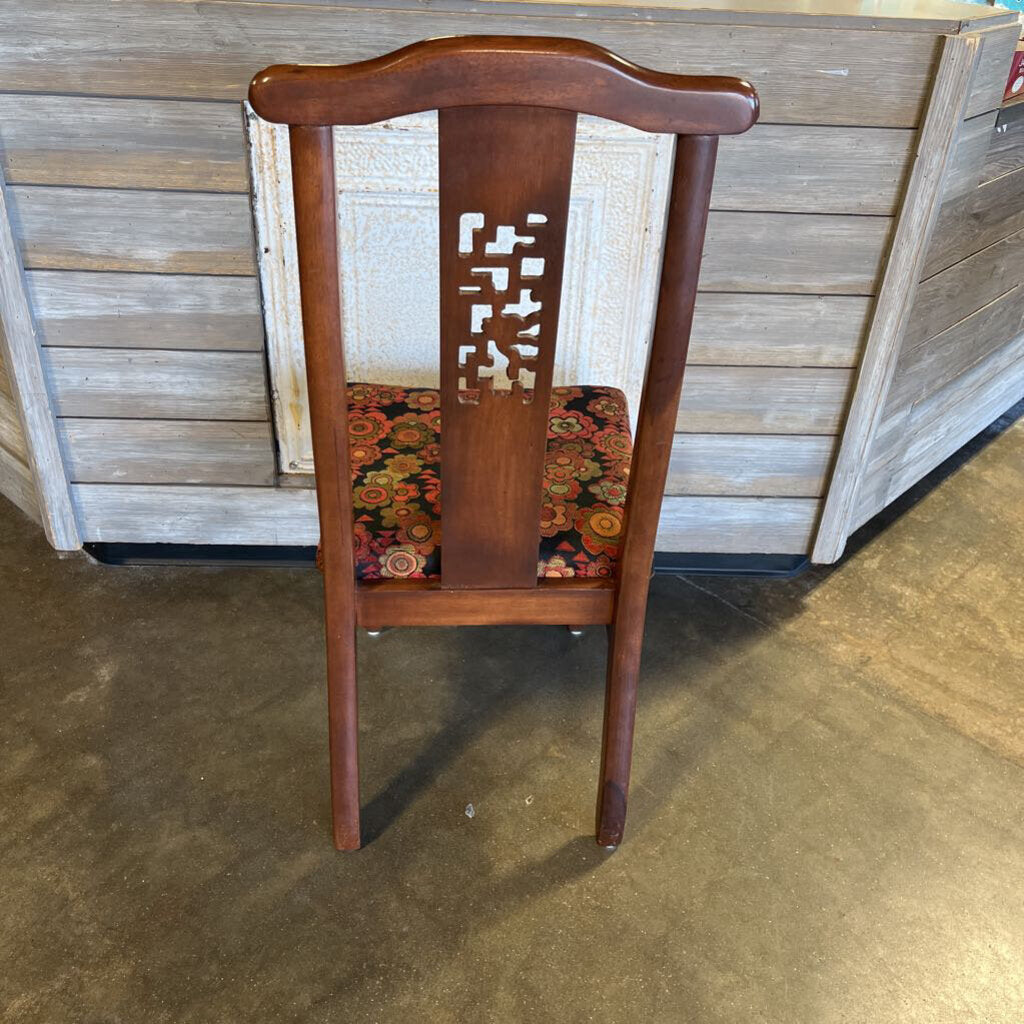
267	556
299	556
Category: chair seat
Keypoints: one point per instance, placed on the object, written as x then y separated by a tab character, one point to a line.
395	450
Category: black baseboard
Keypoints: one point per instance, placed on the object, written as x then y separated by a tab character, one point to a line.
299	556
702	564
268	556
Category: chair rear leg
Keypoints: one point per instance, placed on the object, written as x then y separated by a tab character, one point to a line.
624	647
343	726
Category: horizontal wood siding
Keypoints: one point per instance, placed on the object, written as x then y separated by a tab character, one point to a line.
131	207
168	144
955	293
168	451
929	365
120	513
737	525
812	169
967	161
734	329
1006	150
793	252
977	220
133	384
110	229
989	83
763	400
962	359
111	310
198	233
119	143
136	48
914	440
126	513
749	464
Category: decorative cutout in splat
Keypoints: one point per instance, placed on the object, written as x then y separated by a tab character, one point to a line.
502	354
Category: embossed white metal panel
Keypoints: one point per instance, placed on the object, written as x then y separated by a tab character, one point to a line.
386	178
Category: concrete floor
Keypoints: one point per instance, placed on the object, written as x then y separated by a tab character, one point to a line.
826	821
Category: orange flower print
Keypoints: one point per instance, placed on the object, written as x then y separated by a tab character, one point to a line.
405	490
571	446
374	492
602	567
367	425
555	566
574	424
568	463
432	492
614	444
394	516
397	493
423	400
410	431
556	517
363	454
563	396
606	407
361	541
599	527
609	489
430	453
401	466
374	395
422	531
401	561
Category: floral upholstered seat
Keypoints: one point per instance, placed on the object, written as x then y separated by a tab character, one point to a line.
396	481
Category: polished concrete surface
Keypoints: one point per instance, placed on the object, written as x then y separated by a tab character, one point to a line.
826	820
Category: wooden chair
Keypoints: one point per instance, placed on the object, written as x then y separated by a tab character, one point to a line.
506	125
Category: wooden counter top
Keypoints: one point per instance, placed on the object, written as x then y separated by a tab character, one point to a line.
888	15
904	15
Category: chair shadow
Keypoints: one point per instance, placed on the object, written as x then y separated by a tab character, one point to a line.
664	666
419	775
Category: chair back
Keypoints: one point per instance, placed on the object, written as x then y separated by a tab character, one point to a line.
507	109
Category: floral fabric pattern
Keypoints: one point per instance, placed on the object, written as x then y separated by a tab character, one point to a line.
395	436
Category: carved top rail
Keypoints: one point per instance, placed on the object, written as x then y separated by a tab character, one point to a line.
564	74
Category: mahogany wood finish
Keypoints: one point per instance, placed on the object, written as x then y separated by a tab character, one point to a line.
554	602
529	71
312	153
684	238
507	118
492	453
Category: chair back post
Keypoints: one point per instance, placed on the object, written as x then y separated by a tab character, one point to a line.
689	200
312	152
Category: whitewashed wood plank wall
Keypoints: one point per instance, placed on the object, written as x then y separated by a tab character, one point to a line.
130	204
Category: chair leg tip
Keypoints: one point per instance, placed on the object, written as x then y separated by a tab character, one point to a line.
347	840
